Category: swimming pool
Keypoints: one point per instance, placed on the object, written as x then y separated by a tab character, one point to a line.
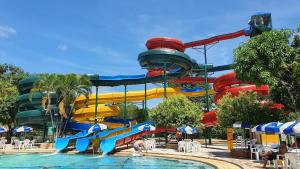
74	161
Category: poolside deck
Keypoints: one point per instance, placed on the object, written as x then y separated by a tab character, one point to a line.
216	154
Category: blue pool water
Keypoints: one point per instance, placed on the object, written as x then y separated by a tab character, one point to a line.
75	161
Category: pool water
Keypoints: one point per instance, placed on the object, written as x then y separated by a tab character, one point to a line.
76	161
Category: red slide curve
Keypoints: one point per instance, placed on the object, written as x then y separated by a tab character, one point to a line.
215	39
229	84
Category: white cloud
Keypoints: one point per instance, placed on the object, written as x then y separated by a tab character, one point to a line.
6	31
62	47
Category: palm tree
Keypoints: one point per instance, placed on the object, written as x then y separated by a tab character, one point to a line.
70	87
67	88
46	85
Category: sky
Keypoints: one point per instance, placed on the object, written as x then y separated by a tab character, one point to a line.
105	37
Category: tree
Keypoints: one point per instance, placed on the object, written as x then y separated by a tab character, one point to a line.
246	107
8	108
270	59
10	76
133	112
175	112
67	87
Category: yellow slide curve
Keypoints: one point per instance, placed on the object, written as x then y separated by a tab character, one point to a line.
84	112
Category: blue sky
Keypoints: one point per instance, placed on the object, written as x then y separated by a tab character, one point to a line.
105	37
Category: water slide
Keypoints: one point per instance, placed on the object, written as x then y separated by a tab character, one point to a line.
85	114
228	83
30	111
164	54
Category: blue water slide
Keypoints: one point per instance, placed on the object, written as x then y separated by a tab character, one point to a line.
109	144
82	144
62	143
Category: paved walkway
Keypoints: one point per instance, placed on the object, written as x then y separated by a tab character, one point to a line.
212	152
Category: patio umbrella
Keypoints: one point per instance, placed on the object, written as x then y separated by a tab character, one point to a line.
256	129
96	128
242	125
146	127
286	126
293	129
187	130
22	129
271	128
2	130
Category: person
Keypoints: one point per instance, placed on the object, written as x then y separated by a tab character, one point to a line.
95	144
138	145
270	155
296	144
179	136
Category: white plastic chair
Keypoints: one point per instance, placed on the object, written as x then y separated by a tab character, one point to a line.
181	146
32	142
2	145
149	144
255	152
279	163
196	146
17	144
26	144
189	146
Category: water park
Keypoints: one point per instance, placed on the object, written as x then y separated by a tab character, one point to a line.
239	115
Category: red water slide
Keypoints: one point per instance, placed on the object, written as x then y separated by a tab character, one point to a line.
215	39
229	84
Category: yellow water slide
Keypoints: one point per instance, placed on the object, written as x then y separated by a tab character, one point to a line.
84	112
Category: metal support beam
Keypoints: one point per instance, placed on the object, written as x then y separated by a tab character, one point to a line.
96	106
145	99
206	91
125	102
165	80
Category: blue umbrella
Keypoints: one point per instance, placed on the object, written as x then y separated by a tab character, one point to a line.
97	127
293	129
146	127
273	127
243	125
24	129
187	130
257	129
2	130
286	126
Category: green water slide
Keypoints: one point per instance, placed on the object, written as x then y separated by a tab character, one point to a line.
30	108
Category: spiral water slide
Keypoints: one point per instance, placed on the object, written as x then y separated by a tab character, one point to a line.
30	110
228	83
